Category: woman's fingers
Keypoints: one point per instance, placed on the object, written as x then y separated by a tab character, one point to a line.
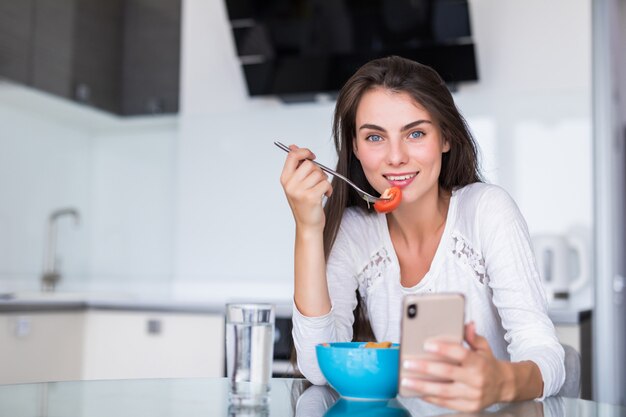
300	173
324	188
452	351
443	371
293	161
468	379
310	173
474	379
305	186
439	389
436	369
477	342
455	351
299	166
470	332
304	180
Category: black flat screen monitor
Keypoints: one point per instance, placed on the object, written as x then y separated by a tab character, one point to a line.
305	47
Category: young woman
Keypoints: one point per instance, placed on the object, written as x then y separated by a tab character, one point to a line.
396	124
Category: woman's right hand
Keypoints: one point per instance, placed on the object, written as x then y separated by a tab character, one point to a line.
305	185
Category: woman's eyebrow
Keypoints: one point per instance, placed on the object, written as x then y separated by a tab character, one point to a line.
416	123
371	126
406	127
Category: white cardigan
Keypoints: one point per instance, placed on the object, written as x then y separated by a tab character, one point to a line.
485	253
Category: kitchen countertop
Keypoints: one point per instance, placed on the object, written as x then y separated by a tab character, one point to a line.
40	302
57	302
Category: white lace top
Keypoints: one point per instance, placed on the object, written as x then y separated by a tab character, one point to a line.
484	253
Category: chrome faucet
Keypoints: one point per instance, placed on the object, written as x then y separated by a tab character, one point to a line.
51	276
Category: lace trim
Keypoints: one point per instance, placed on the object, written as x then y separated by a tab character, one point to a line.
374	270
469	256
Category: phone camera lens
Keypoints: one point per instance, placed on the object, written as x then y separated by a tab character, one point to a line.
412	310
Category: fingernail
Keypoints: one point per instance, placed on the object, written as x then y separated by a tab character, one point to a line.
412	365
405	382
430	347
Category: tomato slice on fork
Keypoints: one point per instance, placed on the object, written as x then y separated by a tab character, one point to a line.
386	206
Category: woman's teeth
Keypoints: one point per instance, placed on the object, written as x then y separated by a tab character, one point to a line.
399	177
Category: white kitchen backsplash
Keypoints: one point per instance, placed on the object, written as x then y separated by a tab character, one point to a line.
44	166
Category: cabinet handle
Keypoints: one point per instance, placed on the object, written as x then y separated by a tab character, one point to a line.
22	326
154	327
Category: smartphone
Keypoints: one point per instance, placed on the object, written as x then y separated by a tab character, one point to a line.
429	316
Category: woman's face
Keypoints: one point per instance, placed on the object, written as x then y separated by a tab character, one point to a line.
398	144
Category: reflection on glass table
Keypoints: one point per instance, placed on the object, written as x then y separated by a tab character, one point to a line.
323	401
208	397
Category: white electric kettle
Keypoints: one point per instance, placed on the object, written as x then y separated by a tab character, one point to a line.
563	262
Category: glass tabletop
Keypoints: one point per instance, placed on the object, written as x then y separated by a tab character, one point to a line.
208	397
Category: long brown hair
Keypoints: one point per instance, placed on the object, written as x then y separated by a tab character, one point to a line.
459	165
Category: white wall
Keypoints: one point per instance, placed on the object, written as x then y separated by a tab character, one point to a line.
132	192
530	112
535	93
196	199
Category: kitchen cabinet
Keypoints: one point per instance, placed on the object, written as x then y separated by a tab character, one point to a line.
77	50
92	343
16	29
41	346
151	57
121	344
121	56
69	48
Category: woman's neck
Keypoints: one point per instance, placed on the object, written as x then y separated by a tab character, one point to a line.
418	222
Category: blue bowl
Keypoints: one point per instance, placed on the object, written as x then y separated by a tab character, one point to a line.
359	373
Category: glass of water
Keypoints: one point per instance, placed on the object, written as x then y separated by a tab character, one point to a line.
249	353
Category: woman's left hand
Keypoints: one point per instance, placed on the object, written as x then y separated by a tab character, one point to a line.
477	378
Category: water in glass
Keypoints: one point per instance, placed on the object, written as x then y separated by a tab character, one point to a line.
249	352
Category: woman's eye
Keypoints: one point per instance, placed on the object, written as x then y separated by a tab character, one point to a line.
374	138
416	135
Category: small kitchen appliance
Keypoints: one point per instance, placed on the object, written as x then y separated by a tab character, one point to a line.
563	262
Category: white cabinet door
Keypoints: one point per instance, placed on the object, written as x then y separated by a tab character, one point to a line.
37	347
122	344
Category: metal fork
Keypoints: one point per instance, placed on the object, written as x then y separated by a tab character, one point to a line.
365	196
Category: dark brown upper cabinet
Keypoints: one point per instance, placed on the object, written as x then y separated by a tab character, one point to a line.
121	56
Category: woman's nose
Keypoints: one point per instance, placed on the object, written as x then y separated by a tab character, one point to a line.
397	154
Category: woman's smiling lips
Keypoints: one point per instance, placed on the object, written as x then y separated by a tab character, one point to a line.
401	179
